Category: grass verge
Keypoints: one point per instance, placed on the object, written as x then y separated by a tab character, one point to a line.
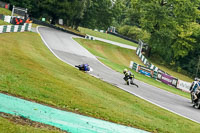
4	23
10	124
5	11
106	36
29	70
119	58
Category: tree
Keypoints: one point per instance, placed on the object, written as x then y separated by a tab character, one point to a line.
165	20
99	15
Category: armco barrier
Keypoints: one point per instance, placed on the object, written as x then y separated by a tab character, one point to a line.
15	28
55	27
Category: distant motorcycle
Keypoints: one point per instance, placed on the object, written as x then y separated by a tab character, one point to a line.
196	99
129	80
195	93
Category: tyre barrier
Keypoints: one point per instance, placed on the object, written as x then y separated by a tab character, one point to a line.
89	37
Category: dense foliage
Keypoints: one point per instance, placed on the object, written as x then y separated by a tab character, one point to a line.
173	28
169	26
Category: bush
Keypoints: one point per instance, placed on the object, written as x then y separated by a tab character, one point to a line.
124	30
134	33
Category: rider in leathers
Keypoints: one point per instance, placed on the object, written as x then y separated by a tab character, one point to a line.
129	76
194	89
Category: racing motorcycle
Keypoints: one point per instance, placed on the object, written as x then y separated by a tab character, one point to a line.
196	99
130	81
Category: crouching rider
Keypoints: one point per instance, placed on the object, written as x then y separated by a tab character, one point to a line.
129	76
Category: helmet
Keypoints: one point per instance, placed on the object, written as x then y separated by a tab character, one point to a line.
125	71
197	79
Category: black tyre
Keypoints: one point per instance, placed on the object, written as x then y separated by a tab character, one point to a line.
197	104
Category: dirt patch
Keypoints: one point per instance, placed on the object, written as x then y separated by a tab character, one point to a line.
26	122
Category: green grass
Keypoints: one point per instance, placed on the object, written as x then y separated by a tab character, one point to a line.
7	126
119	58
4	23
5	11
106	36
34	25
29	70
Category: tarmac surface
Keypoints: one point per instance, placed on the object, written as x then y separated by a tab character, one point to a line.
114	43
65	48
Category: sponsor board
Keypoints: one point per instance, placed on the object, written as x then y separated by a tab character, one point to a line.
145	71
167	79
185	86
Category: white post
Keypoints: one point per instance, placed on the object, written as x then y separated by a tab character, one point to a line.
141	45
12	13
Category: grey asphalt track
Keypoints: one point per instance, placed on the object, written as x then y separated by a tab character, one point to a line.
65	48
114	43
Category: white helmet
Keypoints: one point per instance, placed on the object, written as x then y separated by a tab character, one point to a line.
197	79
125	71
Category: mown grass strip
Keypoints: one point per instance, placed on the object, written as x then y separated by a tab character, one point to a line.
29	70
119	58
106	36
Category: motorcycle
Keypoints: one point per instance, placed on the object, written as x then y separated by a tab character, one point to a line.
130	81
195	99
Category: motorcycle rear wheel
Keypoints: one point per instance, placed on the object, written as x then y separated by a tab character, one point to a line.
197	104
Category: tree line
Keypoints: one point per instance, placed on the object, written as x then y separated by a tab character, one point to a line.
170	27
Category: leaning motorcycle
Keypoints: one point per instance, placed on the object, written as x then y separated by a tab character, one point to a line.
196	99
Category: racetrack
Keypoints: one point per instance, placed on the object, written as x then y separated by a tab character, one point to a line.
65	48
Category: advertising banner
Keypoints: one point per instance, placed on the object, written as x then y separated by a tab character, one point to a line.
145	71
185	86
167	79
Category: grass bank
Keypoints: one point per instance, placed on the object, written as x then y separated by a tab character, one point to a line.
118	58
4	23
5	11
106	36
13	126
29	70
